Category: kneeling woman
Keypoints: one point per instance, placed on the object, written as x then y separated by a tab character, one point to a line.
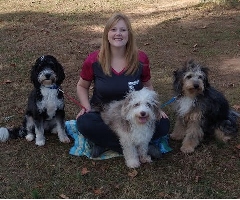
116	69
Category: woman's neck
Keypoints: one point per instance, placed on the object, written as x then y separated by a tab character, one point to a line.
118	59
118	52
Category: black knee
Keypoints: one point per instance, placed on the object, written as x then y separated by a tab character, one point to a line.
162	128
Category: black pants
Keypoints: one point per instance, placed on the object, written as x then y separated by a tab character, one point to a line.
91	126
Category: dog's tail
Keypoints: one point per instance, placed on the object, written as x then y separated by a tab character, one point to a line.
7	134
230	126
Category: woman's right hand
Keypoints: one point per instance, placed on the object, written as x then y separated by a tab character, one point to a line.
82	93
82	111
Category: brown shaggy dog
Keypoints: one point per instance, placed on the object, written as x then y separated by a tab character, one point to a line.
201	109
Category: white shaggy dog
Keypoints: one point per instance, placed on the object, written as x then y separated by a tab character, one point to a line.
133	120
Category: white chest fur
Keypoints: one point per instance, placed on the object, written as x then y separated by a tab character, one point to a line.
50	102
184	105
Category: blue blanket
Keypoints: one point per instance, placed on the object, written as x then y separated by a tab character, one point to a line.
82	147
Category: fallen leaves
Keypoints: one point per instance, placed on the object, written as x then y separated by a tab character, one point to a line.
163	195
238	146
133	174
236	107
7	81
84	171
63	196
98	191
197	178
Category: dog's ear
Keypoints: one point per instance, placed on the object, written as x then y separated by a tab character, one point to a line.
126	104
156	104
175	73
205	70
190	64
60	73
177	82
34	75
206	81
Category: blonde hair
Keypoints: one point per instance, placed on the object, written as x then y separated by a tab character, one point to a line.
131	53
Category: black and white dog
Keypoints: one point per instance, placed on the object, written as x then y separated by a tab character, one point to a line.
45	108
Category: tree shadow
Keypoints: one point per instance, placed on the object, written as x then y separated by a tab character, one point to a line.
169	37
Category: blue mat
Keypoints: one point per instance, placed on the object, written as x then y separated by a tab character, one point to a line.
82	147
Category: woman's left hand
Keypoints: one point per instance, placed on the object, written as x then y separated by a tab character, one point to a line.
163	114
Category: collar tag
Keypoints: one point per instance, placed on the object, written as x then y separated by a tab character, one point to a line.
54	86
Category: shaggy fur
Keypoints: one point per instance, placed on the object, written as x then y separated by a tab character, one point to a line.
133	120
201	109
45	108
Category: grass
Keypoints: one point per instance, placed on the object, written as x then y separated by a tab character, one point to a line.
169	32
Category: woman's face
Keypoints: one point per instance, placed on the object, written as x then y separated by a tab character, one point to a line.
118	34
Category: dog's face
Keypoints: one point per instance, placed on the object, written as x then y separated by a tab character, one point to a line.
47	71
141	106
191	80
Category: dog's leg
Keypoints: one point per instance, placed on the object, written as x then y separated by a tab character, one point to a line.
179	130
142	151
61	131
220	135
130	153
194	134
39	131
29	125
40	139
30	137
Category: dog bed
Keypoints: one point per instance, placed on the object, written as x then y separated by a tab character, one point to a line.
82	147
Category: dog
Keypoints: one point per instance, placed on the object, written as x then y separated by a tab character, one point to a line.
201	109
133	120
45	107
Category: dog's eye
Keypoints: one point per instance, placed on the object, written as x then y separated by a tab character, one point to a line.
149	105
189	76
200	77
136	104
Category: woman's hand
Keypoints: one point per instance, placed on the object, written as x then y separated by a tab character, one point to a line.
82	111
162	115
82	93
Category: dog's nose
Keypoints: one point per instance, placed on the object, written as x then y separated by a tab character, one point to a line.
142	113
196	86
48	75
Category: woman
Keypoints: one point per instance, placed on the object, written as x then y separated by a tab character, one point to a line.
116	69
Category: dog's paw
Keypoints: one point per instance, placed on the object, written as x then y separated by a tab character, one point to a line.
145	159
133	163
226	139
29	137
187	149
64	139
176	136
40	142
222	136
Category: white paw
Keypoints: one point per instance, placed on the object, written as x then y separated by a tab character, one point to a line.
133	163
64	139
40	142
29	137
4	134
